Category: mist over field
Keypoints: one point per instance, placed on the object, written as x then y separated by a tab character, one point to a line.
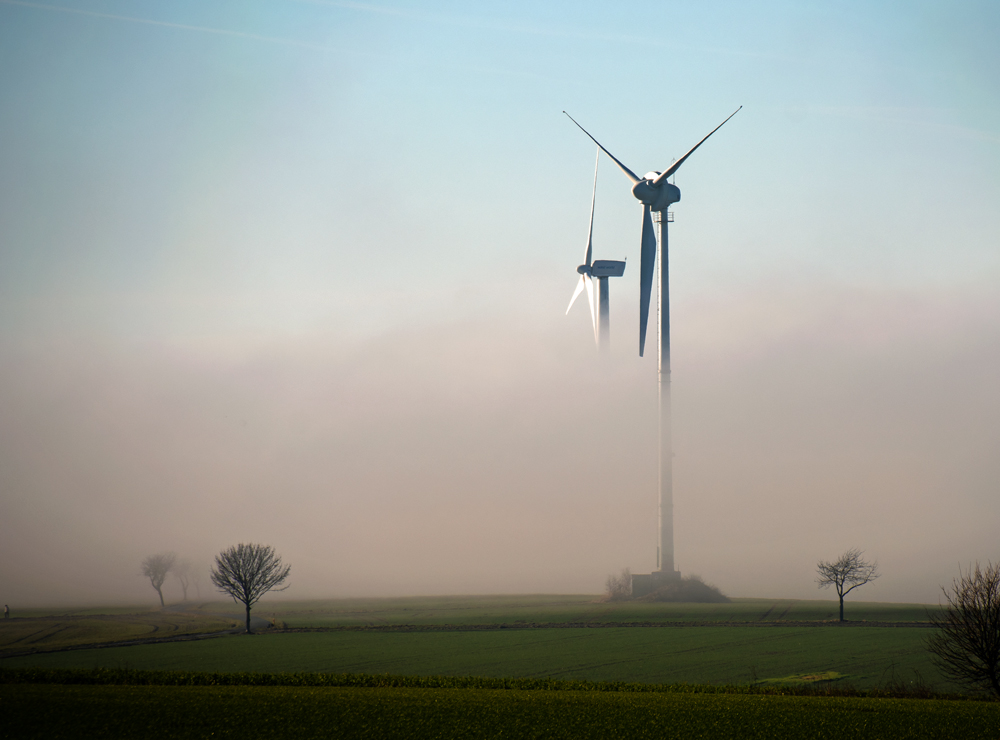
503	457
257	284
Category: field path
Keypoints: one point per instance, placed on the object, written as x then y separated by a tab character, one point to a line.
770	609
787	609
101	631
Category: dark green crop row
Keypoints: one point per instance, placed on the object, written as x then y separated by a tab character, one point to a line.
274	712
130	677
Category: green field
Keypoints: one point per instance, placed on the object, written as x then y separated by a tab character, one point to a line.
486	610
865	657
45	630
748	640
749	643
57	711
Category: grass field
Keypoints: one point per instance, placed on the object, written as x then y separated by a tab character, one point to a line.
65	628
744	641
749	642
484	610
58	711
864	657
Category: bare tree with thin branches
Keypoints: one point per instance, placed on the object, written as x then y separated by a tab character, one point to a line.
183	571
197	577
156	568
247	572
846	574
966	645
619	588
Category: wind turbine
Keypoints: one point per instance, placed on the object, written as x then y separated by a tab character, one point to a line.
600	316
656	196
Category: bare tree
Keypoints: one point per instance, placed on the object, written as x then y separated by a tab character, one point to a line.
183	571
197	578
156	568
247	572
619	587
846	574
966	645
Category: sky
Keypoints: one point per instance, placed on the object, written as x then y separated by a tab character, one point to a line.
295	272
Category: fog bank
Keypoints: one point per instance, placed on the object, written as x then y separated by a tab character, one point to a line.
502	455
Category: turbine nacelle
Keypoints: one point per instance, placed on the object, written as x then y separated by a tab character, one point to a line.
603	269
607	268
656	194
599	270
657	197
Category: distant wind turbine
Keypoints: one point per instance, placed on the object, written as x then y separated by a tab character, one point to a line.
656	196
600	316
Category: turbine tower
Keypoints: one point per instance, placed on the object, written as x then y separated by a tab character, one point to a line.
656	196
602	270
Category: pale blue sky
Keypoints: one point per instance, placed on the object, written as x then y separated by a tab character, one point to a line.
299	145
200	189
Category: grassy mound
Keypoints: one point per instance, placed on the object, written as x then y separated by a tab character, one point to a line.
690	589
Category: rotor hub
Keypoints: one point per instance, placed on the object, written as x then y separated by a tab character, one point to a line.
657	197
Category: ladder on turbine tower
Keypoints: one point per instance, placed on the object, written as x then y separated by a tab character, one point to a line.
658	215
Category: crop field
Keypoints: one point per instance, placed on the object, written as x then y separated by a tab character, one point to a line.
43	630
485	610
34	710
863	657
776	645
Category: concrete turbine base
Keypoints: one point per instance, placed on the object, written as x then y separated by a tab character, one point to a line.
646	583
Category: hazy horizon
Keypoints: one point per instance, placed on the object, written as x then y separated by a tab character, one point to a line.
295	273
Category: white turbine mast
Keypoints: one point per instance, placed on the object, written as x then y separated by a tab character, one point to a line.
656	195
600	315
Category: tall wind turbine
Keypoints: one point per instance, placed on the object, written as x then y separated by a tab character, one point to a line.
600	316
656	196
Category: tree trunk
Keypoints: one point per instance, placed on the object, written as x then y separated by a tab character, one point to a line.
248	620
161	597
841	607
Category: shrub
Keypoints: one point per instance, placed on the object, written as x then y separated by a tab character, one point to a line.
619	588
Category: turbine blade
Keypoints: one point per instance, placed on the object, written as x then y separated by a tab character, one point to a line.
676	165
646	264
631	175
593	308
579	289
593	199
